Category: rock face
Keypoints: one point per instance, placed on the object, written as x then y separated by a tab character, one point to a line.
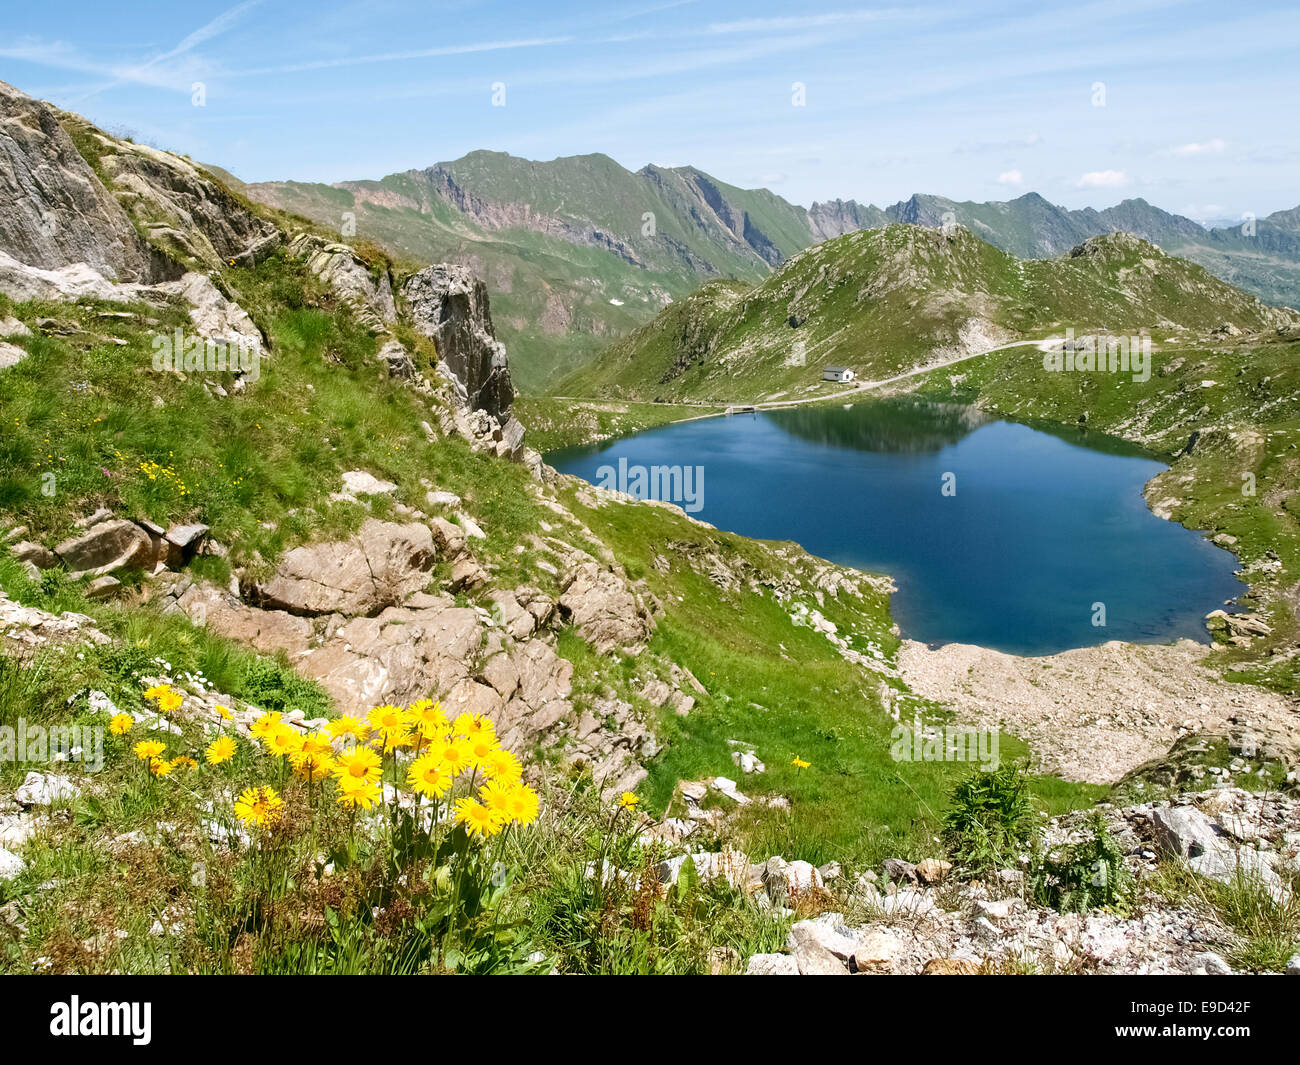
379	567
603	609
184	210
20	281
56	210
450	305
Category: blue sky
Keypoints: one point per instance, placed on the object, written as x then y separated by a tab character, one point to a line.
968	100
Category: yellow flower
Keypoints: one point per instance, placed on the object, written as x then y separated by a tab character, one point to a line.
477	818
522	804
157	691
259	806
159	767
264	725
628	800
224	713
453	753
184	761
312	766
471	725
393	725
317	743
222	749
358	791
427	718
283	741
429	776
357	763
480	749
147	750
388	718
502	765
349	726
799	763
169	701
121	724
496	797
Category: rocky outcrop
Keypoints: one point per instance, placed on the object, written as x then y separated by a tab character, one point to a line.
379	567
214	316
25	630
21	281
181	208
450	305
57	212
349	278
604	610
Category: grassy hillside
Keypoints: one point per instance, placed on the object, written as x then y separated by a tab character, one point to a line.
887	301
259	467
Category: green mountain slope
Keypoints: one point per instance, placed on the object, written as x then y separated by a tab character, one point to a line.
887	301
577	251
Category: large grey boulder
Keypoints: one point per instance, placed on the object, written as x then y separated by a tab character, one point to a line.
57	212
379	567
450	305
107	547
1185	832
214	316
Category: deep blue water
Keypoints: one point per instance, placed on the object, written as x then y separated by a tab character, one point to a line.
1041	526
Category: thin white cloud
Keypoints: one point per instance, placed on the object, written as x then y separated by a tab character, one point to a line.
1011	177
784	23
1210	147
1103	179
392	57
213	28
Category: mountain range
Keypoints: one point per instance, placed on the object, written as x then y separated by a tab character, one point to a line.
892	300
578	251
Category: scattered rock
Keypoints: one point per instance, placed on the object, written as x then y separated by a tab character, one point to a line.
933	870
772	965
45	789
10	865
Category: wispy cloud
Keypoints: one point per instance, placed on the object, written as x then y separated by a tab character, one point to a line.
393	57
213	28
782	23
1103	179
1210	147
1011	177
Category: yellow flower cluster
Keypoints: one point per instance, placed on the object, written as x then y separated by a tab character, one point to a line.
351	751
153	471
164	698
151	752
